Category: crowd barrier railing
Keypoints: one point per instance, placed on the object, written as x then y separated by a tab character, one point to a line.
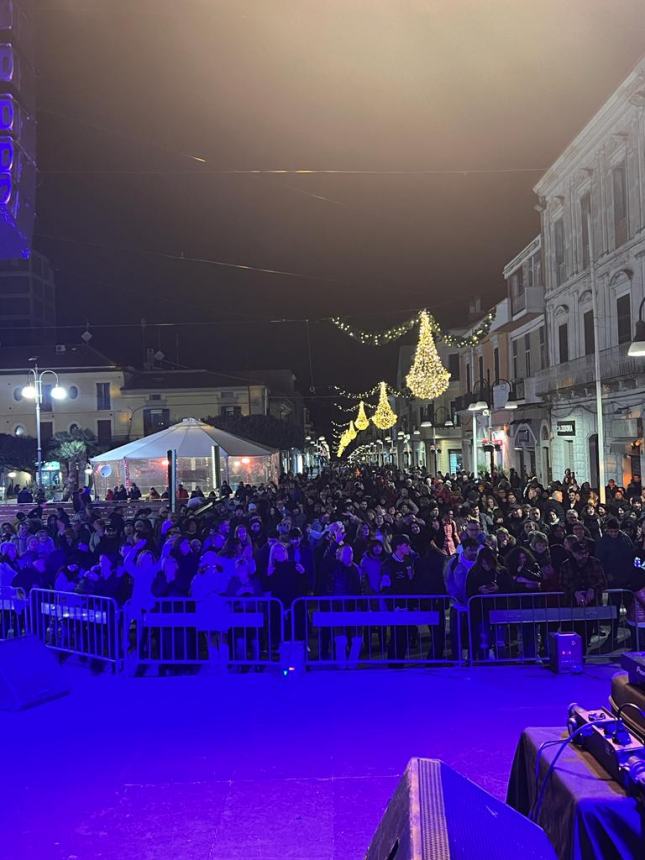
220	631
378	630
511	628
87	625
14	618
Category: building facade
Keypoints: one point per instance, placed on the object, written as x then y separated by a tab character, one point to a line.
592	207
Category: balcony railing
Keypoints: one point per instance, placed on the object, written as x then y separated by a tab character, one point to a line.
614	364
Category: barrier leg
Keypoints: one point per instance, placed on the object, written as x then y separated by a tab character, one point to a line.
340	643
355	648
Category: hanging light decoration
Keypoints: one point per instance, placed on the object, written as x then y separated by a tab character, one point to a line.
384	417
361	422
352	431
428	378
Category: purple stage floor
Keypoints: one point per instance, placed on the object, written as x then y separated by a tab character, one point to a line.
255	765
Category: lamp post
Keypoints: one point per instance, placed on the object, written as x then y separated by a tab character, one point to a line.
637	346
34	391
600	422
475	407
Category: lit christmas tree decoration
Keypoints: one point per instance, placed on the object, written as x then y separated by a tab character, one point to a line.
361	422
428	378
384	417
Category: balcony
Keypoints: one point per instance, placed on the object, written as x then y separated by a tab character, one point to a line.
615	365
528	301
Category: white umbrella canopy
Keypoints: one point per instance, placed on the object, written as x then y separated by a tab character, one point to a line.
189	438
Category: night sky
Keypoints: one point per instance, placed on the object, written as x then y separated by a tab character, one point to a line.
129	90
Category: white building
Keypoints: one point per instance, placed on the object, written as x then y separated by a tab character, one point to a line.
119	404
599	180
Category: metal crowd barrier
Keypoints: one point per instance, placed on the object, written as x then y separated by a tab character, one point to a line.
378	630
87	625
511	628
222	631
14	618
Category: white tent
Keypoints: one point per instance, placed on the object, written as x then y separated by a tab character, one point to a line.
204	453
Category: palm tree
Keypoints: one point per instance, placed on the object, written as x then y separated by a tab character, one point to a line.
72	449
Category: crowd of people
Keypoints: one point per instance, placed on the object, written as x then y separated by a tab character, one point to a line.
349	531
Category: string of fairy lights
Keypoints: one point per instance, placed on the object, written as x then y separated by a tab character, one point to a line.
427	378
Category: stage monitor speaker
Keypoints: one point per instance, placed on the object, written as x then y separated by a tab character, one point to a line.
29	674
437	814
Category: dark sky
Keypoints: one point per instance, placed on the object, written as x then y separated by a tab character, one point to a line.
138	86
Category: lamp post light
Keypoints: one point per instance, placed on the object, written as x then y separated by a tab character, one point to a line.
637	346
34	391
475	407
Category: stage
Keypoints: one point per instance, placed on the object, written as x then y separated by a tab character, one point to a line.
255	765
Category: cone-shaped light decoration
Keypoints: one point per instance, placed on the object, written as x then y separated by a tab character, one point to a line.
428	378
361	422
384	417
352	431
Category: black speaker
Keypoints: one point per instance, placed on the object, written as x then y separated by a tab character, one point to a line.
437	814
29	674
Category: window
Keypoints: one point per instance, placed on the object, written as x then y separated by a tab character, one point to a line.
542	342
104	431
17	393
620	204
453	366
231	410
467	376
563	342
514	354
585	220
46	431
537	269
19	430
72	392
518	294
73	428
624	316
46	404
527	354
481	367
103	395
155	419
589	336
496	362
558	241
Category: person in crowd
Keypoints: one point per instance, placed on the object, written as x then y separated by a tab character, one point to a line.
456	573
583	580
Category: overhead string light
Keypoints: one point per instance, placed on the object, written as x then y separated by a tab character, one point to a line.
390	335
384	417
428	378
364	395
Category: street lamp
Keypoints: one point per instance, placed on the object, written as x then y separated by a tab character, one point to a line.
637	346
34	391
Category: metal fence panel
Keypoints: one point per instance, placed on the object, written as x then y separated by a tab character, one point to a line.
14	618
223	631
379	630
511	628
87	625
